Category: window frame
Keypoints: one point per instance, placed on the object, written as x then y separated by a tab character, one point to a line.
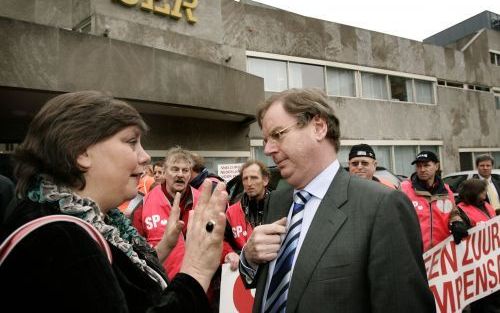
357	69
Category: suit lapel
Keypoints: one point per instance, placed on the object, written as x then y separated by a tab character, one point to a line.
325	225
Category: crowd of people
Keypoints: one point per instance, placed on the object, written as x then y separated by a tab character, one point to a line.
345	240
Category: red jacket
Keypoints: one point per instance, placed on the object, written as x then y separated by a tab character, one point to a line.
433	210
475	214
151	220
240	227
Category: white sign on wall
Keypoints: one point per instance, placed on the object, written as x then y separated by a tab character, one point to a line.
228	171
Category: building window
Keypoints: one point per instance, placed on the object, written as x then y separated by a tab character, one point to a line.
495	58
424	91
496	156
401	89
468	158
306	76
403	156
384	157
340	82
497	100
374	85
479	88
273	72
281	74
455	85
466	161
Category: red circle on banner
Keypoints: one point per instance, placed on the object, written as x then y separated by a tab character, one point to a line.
242	297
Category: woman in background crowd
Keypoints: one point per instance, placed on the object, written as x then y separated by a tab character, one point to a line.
82	156
474	209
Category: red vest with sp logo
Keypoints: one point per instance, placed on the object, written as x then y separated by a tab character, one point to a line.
152	223
433	211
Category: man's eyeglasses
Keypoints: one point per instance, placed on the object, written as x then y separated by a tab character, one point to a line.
357	163
276	136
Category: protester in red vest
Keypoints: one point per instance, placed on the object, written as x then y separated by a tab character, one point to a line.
474	209
473	205
247	213
433	201
151	219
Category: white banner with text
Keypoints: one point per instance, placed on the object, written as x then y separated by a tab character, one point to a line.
461	274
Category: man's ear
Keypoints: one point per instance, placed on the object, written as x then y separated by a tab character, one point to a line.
266	181
320	127
84	161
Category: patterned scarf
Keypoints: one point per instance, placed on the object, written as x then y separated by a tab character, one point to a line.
114	226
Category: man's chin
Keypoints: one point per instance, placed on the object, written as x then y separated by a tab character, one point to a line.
180	190
285	173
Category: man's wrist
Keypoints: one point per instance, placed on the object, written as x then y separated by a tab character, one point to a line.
247	271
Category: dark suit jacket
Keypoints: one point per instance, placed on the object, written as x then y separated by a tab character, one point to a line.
362	253
495	182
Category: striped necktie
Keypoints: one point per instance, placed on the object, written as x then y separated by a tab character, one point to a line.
277	293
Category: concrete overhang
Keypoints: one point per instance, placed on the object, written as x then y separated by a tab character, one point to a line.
38	62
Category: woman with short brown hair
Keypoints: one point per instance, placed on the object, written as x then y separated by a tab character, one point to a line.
82	157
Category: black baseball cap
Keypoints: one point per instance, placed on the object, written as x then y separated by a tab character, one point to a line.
425	156
362	150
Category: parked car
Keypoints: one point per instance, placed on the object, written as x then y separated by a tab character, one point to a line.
455	179
235	188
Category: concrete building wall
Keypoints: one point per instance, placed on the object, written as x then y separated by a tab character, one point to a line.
493	38
461	118
467	120
192	86
187	101
57	13
285	33
203	40
208	14
49	58
195	134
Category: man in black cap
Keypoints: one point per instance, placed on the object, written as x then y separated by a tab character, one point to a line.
433	201
363	163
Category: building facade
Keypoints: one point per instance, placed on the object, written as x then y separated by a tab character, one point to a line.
197	69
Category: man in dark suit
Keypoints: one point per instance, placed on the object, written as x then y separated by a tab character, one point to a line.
343	244
484	165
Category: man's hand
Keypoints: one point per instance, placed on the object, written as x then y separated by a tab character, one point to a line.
233	259
172	231
204	242
264	243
